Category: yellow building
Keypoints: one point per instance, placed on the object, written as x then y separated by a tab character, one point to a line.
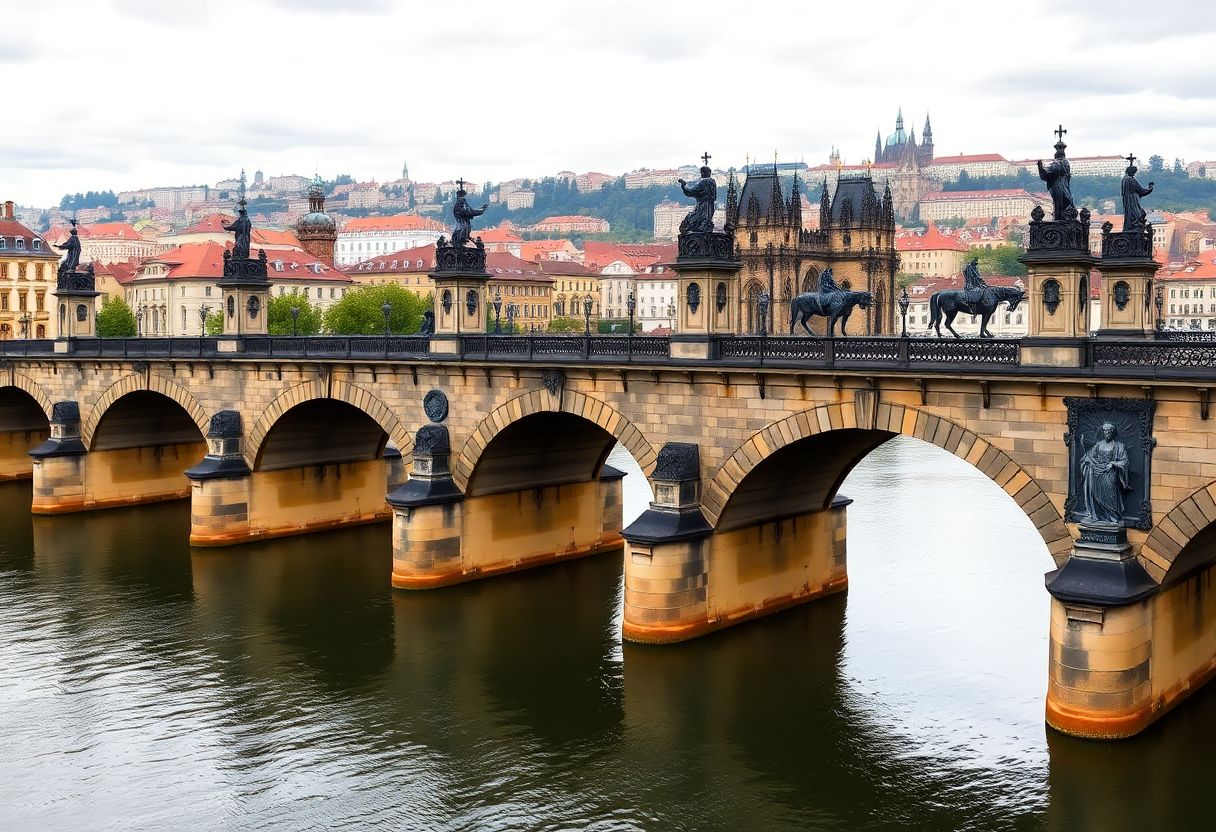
27	279
573	283
931	254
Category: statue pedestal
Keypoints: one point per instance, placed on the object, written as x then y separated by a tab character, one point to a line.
76	292
1058	264
708	292
246	292
1128	269
460	279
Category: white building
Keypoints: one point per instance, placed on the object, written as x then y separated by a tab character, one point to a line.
949	168
1004	202
366	237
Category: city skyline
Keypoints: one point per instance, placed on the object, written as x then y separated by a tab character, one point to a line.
511	76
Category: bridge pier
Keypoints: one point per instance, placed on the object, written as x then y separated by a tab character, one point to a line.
683	579
442	537
1124	650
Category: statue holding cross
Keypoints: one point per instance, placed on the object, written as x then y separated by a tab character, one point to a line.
1058	176
464	213
705	192
1134	218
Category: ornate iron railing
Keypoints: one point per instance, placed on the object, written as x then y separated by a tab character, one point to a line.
1186	335
899	352
963	351
1155	355
567	347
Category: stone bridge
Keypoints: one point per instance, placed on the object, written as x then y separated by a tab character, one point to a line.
490	457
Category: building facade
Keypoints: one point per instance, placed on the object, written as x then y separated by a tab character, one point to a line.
316	230
367	237
571	225
28	269
931	253
1006	202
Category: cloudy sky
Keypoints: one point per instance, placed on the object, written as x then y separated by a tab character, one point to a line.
117	94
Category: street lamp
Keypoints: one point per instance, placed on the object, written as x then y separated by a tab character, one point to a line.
139	320
498	311
671	317
512	310
1159	302
587	301
24	320
904	300
295	321
631	305
386	309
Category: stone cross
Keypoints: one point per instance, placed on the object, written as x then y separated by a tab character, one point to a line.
1060	131
705	157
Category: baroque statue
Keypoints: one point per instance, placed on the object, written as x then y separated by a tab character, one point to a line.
829	302
242	228
464	213
1058	176
72	246
1134	218
975	298
1104	479
705	192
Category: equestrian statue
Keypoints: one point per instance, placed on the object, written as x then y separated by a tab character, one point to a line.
975	298
829	302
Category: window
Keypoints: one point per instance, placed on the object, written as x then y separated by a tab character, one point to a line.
37	245
40	302
318	293
207	291
181	292
3	244
20	241
331	293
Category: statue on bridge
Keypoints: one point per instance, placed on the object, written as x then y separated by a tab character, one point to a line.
1104	478
975	298
464	214
705	192
72	247
1058	176
1134	218
242	229
829	302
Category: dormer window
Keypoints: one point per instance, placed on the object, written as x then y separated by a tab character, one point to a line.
37	245
3	244
278	265
20	243
420	264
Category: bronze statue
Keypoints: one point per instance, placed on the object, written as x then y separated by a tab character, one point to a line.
705	192
976	298
1104	479
829	302
242	228
1058	176
463	213
1134	218
72	247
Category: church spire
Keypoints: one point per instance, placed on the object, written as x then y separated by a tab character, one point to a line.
795	209
405	169
825	206
899	119
878	148
732	203
927	133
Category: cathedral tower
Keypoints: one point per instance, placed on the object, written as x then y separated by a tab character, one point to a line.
317	231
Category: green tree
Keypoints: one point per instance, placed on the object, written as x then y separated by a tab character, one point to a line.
278	315
360	312
115	319
567	325
1155	164
1001	260
1178	169
215	323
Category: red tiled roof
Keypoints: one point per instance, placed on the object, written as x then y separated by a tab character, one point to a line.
11	230
214	224
407	260
931	240
123	271
396	222
941	196
504	232
206	261
570	218
638	256
562	267
114	230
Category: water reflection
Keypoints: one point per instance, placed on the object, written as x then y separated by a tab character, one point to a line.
284	685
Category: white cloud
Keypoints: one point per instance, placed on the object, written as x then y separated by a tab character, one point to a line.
175	91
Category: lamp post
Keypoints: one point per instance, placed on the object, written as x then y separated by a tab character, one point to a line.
386	309
139	320
904	300
1159	302
632	306
202	326
498	312
24	320
671	317
587	301
295	320
512	309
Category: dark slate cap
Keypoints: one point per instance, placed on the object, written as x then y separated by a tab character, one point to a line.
678	461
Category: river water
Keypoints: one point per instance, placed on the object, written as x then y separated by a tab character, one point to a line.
285	686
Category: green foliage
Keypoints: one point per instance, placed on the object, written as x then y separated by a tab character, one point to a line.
1002	260
360	311
1156	164
89	199
567	325
1178	169
615	326
278	315
1172	192
905	279
115	319
215	323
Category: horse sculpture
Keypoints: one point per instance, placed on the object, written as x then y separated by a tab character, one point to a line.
978	298
829	302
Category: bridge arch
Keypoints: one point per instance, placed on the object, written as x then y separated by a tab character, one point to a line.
833	438
317	390
138	383
569	402
1184	539
35	390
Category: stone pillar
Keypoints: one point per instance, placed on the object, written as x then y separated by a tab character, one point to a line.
1058	263
220	485
684	579
460	279
1128	269
59	464
708	299
76	296
427	516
